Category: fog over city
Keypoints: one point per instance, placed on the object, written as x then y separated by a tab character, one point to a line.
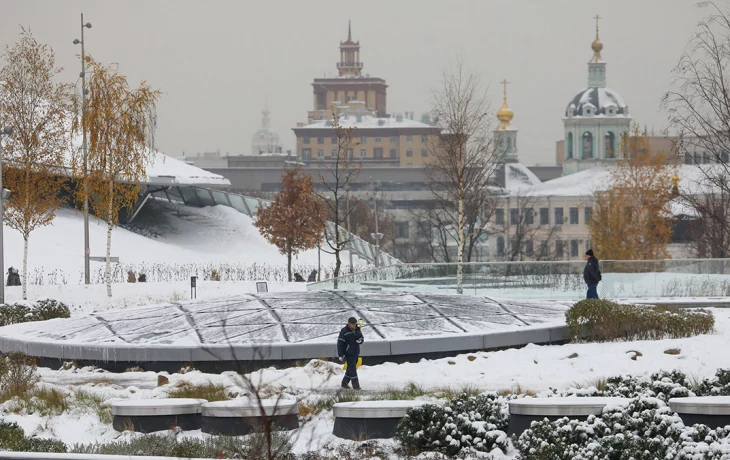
218	62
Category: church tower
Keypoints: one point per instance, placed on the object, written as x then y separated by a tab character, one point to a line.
350	65
505	135
595	120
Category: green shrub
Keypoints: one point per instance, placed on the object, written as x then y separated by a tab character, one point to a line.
12	438
209	391
17	374
42	310
605	320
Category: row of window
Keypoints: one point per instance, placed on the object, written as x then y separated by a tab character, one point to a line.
377	153
587	147
528	217
528	248
364	140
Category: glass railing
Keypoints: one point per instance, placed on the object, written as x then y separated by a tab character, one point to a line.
548	280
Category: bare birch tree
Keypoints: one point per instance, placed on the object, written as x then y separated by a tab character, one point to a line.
38	109
119	125
334	180
464	158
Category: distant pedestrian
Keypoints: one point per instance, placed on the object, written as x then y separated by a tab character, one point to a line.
298	278
591	274
142	278
130	277
348	350
312	277
13	277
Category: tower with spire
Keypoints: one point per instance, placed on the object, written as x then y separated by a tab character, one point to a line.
505	134
265	140
349	65
595	119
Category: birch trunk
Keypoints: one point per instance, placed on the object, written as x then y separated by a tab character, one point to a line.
110	226
460	224
25	267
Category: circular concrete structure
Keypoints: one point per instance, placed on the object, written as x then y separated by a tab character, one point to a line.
258	330
524	411
242	417
713	411
370	419
150	415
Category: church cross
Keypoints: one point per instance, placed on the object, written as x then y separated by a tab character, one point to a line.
505	83
596	17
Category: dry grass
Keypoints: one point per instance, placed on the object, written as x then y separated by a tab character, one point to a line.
208	391
672	351
94	403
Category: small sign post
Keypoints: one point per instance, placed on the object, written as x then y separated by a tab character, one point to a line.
193	287
261	286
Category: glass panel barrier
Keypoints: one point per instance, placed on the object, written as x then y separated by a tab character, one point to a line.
635	279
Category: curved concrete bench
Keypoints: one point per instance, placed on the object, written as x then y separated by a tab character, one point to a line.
713	411
148	415
524	411
241	417
370	419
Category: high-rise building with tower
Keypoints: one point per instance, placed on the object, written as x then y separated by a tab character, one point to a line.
349	85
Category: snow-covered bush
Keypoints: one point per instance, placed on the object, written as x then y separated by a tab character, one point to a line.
719	385
465	424
604	320
40	310
12	438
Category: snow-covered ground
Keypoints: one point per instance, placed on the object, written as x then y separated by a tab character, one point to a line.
532	368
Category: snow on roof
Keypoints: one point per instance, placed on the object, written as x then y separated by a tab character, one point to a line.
517	176
583	183
366	122
598	98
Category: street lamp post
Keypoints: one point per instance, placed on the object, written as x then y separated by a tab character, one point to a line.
7	131
377	236
87	251
347	207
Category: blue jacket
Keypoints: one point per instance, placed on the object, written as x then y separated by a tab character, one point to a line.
347	342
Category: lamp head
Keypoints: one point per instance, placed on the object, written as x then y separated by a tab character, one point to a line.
77	41
87	25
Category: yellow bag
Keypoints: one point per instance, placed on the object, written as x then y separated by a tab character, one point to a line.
359	363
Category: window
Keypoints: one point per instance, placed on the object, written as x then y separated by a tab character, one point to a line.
587	145
610	145
528	248
320	140
424	229
393	139
424	152
363	140
393	153
499	216
306	140
320	153
401	229
500	246
378	140
514	216
409	152
363	153
334	153
705	158
306	154
529	216
544	216
409	139
573	248
334	140
588	245
573	212
544	248
688	158
587	214
559	249
378	153
424	139
569	146
725	157
349	154
558	220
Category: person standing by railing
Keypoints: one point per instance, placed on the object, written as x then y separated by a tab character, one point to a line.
591	274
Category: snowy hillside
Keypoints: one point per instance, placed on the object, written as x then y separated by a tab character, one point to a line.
171	237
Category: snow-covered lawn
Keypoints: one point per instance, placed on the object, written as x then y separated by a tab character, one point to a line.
532	368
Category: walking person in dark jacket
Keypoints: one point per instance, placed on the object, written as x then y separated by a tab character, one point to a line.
592	274
348	350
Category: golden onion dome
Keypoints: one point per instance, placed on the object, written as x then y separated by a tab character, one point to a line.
504	115
597	46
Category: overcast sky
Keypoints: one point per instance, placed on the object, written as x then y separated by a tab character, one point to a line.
216	61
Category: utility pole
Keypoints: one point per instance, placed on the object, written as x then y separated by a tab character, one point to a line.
377	236
7	131
87	250
347	209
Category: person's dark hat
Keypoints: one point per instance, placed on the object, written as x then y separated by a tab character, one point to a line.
590	253
352	320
